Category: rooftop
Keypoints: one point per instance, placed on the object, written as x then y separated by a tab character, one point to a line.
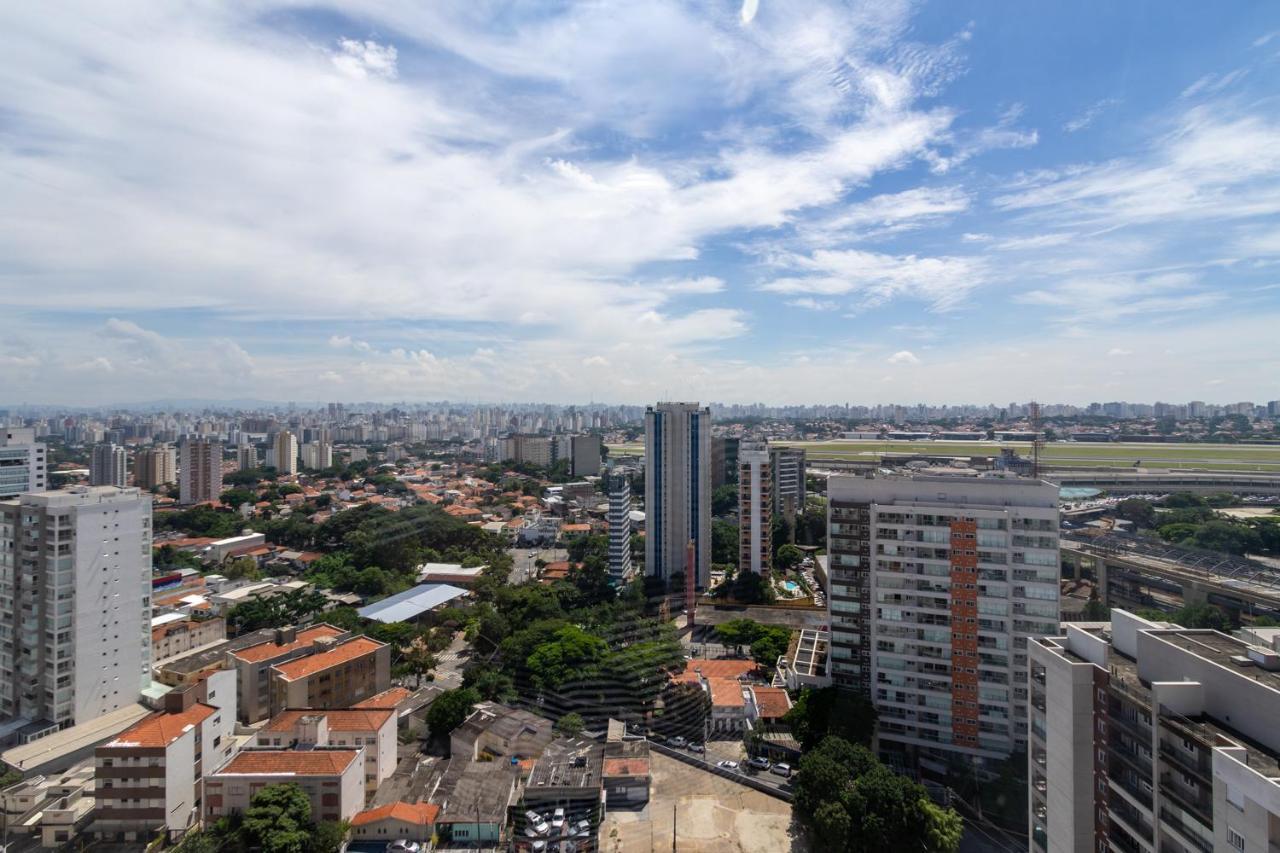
390	698
341	720
30	756
422	814
289	762
772	702
338	655
626	767
412	602
476	791
572	763
271	650
162	729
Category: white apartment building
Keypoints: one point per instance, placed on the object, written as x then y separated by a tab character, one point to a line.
788	464
75	603
755	508
199	470
1150	737
936	585
246	457
677	489
23	462
286	453
620	565
109	466
318	455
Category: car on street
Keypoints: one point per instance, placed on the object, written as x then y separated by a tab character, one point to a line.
697	747
677	742
758	763
781	769
404	845
727	764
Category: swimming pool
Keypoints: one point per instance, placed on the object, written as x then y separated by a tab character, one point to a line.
791	587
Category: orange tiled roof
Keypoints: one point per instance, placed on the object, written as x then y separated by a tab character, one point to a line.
390	698
721	668
268	650
310	665
626	767
423	814
726	692
288	762
340	720
163	728
773	702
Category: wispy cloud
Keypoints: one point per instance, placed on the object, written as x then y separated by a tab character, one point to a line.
943	283
1090	115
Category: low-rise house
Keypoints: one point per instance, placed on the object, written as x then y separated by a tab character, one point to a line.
332	779
372	729
497	731
625	769
474	798
49	810
414	821
174	634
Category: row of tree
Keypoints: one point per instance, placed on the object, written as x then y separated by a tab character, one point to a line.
1194	521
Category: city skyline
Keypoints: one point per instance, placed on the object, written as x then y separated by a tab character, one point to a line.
658	202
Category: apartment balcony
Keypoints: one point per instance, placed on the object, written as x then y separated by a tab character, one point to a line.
1200	805
1200	765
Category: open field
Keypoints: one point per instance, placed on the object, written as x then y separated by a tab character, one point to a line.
1241	458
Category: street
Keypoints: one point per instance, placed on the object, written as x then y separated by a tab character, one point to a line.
523	559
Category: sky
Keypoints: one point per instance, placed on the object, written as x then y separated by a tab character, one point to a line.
783	202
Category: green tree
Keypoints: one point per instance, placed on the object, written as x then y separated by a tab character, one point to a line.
279	819
573	653
245	568
724	541
789	556
571	724
724	500
770	645
451	709
1141	513
828	711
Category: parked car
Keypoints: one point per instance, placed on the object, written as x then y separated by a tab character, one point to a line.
697	747
537	824
677	742
582	827
557	819
781	769
759	762
727	764
404	845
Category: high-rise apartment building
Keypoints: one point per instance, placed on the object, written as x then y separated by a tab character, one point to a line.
531	449
936	584
155	466
619	488
109	466
677	481
246	457
318	455
586	455
755	508
75	628
724	460
788	466
286	453
1150	737
23	462
199	470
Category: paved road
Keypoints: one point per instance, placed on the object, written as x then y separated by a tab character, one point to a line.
523	559
451	662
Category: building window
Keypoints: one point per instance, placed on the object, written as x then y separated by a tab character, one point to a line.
1235	839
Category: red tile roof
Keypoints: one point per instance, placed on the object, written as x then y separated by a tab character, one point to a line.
773	702
386	699
721	668
422	814
269	650
163	728
310	665
340	720
626	767
288	762
726	692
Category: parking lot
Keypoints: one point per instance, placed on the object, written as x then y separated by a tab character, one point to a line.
703	813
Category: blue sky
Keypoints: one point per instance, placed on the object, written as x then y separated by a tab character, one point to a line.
783	202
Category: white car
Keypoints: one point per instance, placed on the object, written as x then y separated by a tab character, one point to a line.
404	845
537	825
557	819
727	765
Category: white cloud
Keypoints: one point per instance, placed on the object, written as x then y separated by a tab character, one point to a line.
1211	84
361	59
1090	115
1117	352
903	357
595	361
811	304
944	283
1123	297
749	9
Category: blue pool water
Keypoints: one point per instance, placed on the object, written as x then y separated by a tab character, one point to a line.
791	586
1077	493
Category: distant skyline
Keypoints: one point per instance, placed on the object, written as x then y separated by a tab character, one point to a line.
792	202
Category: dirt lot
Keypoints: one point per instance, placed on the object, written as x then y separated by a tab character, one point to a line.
711	814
